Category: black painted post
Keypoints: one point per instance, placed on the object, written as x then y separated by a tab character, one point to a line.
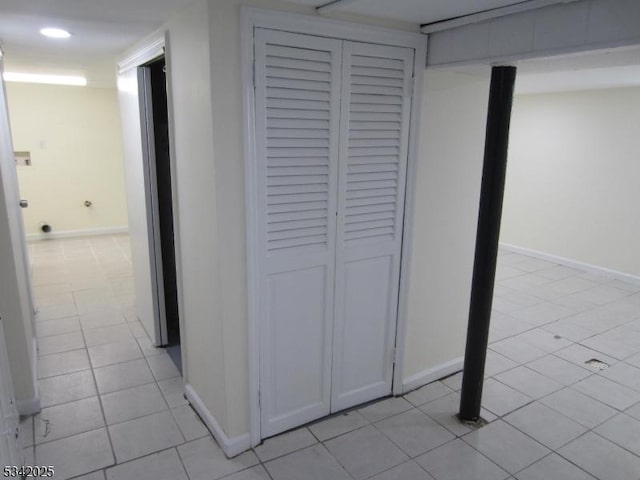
486	255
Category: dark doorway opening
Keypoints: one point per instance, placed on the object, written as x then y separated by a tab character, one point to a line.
164	206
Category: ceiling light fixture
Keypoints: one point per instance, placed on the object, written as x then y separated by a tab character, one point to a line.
55	32
47	79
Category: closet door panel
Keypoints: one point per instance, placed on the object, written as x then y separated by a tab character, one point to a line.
297	81
376	94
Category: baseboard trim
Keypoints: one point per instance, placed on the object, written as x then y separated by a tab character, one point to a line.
31	406
230	446
90	232
568	262
432	374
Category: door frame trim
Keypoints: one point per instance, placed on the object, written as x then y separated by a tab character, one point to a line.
153	212
251	18
154	47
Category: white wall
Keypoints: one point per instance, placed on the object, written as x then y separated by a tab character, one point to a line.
448	178
196	175
573	175
74	136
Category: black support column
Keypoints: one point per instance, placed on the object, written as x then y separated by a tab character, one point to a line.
486	255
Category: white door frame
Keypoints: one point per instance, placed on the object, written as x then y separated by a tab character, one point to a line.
154	48
252	18
19	243
153	213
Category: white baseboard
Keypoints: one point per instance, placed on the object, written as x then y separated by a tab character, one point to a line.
432	374
568	262
31	405
230	446
90	232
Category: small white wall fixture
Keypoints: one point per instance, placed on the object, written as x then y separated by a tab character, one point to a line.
333	31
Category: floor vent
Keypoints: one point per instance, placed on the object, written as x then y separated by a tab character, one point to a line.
597	364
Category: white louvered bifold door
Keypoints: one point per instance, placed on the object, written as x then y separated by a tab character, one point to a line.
297	81
376	98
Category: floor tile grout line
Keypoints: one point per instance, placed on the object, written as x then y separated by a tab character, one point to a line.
523	433
104	418
459	438
593	430
344	468
557	452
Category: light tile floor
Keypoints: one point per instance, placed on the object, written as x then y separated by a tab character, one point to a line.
113	408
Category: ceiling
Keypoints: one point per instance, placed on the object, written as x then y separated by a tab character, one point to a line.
103	29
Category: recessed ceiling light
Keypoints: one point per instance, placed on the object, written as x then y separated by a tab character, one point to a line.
55	32
48	79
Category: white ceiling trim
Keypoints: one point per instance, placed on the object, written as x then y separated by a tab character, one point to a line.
334	5
143	55
523	6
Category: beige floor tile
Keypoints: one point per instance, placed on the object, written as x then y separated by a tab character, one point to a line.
159	466
67	388
77	455
132	403
61	363
205	460
60	343
122	375
68	419
189	423
112	353
145	435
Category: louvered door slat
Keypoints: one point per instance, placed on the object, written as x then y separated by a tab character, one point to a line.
295	161
295	84
372	71
297	104
357	202
290	53
375	80
380	62
297	94
300	124
372	167
296	207
295	141
294	189
370	193
303	197
295	133
312	65
364	99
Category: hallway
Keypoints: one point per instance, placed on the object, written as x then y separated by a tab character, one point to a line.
113	406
